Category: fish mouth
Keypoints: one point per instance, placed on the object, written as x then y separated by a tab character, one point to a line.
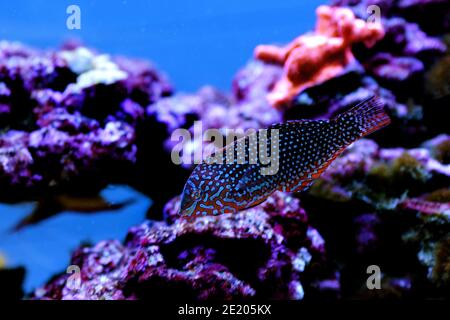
187	209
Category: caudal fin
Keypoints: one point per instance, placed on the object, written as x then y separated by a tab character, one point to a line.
369	115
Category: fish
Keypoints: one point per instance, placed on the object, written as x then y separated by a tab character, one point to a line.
53	205
304	150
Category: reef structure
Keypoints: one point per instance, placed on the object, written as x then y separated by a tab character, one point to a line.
268	252
74	111
104	108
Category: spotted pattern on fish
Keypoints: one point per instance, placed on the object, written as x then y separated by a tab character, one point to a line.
234	179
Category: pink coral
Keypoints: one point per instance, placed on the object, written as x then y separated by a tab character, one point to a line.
318	56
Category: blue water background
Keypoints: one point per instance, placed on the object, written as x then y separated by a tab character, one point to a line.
196	42
44	249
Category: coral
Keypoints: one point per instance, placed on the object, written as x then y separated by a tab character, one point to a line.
431	15
63	150
431	238
266	251
256	80
405	193
145	84
394	69
405	46
426	207
382	177
441	270
70	116
69	119
440	148
327	100
313	58
438	80
438	83
180	111
405	38
366	235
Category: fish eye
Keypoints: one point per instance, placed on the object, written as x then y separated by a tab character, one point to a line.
196	194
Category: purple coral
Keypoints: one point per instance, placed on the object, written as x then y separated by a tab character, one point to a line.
75	111
396	69
261	252
403	171
67	149
76	115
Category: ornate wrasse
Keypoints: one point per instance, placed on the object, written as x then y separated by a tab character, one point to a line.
237	178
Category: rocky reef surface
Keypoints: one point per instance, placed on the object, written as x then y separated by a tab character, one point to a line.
74	111
72	117
261	252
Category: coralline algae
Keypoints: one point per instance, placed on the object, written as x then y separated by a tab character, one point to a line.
74	111
384	201
263	252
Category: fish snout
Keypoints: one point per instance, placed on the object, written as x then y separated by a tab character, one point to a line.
187	207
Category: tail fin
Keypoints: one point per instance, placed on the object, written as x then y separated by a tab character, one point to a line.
369	116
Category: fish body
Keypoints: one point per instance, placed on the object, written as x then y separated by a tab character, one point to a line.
303	149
